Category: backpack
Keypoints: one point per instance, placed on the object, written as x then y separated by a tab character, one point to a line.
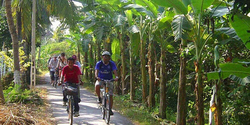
101	64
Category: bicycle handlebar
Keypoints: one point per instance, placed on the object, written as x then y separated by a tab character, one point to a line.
111	80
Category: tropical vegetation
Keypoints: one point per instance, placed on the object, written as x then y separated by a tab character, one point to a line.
188	59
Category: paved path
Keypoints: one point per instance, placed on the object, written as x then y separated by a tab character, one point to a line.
89	112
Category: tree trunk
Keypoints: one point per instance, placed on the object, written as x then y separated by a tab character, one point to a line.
14	38
132	86
123	74
163	81
181	104
2	101
98	51
91	71
219	104
78	53
143	71
199	93
19	24
151	68
86	65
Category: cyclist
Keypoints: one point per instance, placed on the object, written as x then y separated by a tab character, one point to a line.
62	61
104	69
79	65
52	68
71	76
76	62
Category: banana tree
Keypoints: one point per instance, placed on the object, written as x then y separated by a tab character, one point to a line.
120	24
129	16
142	26
199	37
163	35
180	28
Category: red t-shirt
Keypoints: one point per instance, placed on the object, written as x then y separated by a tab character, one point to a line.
71	75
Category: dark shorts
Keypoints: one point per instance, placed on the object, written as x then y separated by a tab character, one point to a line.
52	75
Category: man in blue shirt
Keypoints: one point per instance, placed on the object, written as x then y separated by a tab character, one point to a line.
104	70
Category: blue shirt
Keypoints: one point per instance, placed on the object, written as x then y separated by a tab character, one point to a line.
105	70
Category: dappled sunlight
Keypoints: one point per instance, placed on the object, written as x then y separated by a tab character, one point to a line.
90	113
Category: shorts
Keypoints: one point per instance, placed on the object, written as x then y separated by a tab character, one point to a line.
52	75
110	86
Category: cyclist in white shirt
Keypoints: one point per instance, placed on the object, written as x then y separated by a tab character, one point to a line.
62	62
52	67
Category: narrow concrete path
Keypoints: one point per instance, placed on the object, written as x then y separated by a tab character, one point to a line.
90	114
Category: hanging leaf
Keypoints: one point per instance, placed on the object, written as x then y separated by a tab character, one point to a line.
201	5
229	31
129	16
134	29
180	25
216	56
119	20
115	48
176	4
241	24
228	69
139	8
149	5
220	11
99	32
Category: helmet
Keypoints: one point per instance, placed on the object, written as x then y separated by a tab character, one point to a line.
105	53
74	57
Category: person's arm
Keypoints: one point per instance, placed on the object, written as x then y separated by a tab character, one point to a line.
116	75
96	75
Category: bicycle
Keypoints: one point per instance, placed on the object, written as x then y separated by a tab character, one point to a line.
56	78
70	92
106	103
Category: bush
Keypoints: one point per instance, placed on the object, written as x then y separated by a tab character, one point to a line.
7	80
17	95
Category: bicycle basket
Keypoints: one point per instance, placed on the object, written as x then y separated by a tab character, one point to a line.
70	90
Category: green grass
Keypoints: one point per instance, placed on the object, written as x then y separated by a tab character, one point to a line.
138	113
134	111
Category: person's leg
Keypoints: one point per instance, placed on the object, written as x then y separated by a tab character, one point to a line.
53	76
111	101
76	104
97	90
50	73
65	99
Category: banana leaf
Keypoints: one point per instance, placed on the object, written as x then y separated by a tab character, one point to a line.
228	69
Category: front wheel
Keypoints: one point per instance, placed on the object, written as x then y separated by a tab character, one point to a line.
107	119
103	107
70	108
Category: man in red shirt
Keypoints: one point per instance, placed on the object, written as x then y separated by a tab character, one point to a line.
71	76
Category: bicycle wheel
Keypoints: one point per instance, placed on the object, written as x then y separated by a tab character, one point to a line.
107	119
103	107
70	115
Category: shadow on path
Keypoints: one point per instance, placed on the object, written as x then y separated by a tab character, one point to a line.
90	114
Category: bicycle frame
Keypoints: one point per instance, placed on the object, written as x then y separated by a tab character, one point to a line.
106	104
70	107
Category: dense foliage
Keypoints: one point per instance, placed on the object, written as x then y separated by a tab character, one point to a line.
165	51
